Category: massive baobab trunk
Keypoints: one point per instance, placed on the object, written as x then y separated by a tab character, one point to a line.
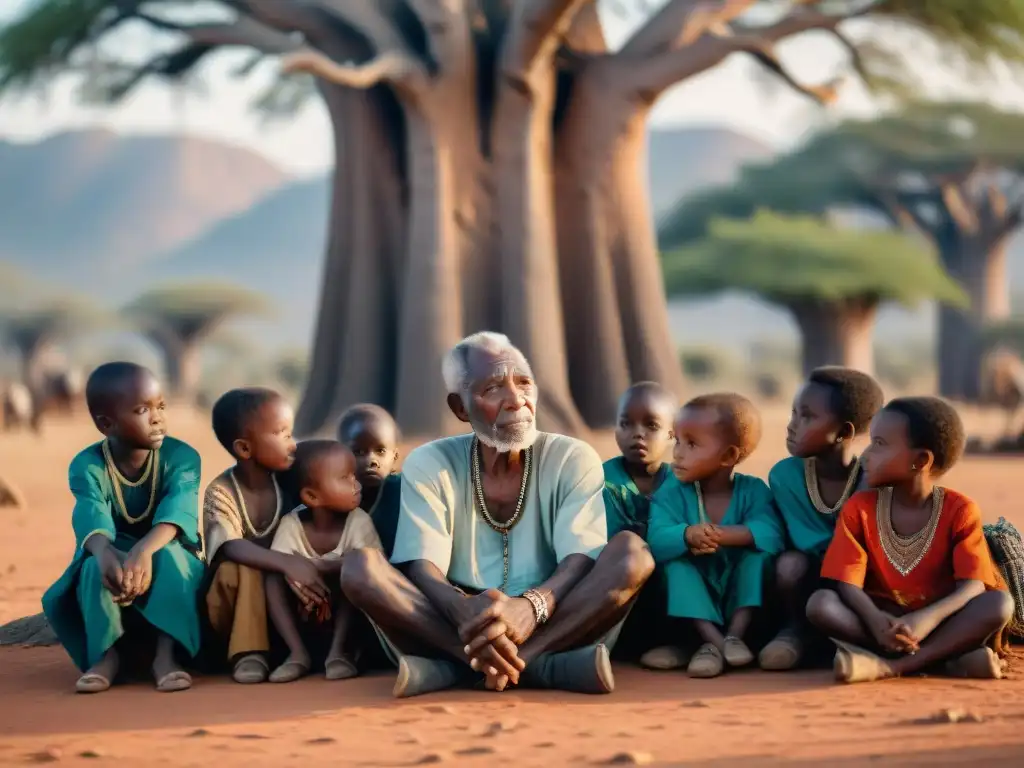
492	137
981	270
836	333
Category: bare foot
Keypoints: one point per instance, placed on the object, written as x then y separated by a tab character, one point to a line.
979	664
100	675
169	675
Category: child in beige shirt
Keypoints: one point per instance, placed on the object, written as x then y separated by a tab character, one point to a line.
327	525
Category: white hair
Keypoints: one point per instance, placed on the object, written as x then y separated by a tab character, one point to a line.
455	365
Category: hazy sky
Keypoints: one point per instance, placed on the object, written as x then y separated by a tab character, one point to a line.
728	95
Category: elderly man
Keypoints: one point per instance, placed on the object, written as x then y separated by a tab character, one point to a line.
504	568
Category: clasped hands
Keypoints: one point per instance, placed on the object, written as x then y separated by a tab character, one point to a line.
493	626
126	575
703	538
305	579
902	634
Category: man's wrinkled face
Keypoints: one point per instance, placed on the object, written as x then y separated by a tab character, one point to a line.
501	400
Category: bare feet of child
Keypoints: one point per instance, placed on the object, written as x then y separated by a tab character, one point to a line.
980	664
295	666
169	675
100	675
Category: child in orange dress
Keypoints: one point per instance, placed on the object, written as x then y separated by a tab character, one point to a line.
917	586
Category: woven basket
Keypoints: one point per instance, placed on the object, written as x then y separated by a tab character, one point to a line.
1008	551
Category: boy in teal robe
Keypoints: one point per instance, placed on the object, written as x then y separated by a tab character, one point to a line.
832	409
372	435
643	434
137	539
714	531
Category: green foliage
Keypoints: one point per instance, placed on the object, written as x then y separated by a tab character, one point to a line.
859	163
28	329
975	31
189	312
52	36
787	259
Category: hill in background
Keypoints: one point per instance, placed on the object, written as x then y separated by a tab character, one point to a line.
112	215
82	207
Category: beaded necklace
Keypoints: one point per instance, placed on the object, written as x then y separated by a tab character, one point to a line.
150	468
502	528
245	512
814	491
906	552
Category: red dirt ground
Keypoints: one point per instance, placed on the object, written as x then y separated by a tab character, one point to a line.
652	718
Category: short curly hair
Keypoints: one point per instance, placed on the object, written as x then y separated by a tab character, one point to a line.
365	413
107	383
660	396
308	454
738	415
233	411
933	425
855	396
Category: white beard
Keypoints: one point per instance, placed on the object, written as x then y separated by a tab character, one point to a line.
510	439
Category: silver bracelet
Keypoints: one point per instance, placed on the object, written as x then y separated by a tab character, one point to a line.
540	605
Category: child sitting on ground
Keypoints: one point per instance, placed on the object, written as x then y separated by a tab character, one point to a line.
917	586
643	434
327	526
714	530
136	523
833	408
241	513
372	435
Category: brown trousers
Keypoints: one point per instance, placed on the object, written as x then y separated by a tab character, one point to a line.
236	605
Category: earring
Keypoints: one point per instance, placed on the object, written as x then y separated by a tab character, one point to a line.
839	440
913	467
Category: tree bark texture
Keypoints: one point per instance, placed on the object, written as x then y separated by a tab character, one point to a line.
517	202
183	364
980	269
837	333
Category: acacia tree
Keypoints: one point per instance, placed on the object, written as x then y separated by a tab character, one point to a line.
464	129
32	332
953	172
831	280
180	319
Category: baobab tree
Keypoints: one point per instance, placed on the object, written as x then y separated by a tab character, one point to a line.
952	172
180	319
489	164
831	280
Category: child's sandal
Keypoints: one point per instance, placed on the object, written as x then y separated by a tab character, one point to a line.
174	681
664	658
706	662
92	682
736	652
340	668
783	653
251	669
289	672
